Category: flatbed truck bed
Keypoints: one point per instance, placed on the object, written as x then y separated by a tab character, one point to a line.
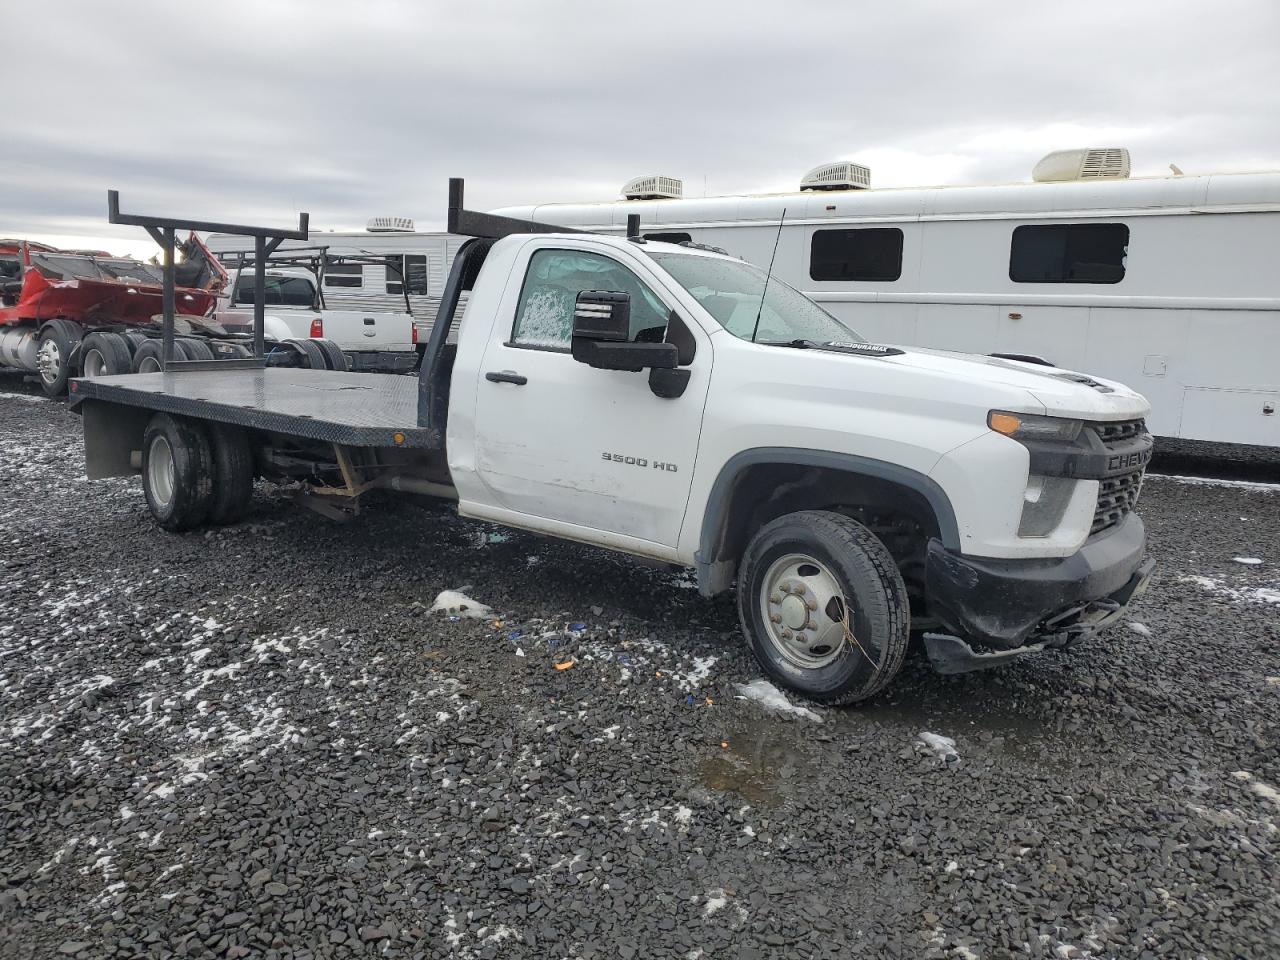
353	409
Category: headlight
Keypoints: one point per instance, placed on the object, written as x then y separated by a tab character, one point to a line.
1029	428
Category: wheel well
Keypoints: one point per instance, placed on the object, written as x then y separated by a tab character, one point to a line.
895	509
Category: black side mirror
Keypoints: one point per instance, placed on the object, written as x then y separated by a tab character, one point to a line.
601	331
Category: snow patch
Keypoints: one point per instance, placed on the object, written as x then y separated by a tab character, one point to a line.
1248	561
458	604
1236	594
943	747
1265	791
1141	629
716	901
771	698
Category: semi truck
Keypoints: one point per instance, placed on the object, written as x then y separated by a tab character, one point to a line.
68	313
681	405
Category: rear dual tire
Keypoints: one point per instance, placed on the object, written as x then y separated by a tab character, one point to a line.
104	355
334	358
319	353
194	473
824	607
177	472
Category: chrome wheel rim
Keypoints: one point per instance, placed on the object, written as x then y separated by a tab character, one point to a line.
160	471
803	609
95	364
148	365
49	361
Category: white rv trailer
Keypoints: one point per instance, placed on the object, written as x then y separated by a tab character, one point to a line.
1169	284
422	259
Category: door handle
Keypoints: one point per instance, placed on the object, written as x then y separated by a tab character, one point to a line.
506	376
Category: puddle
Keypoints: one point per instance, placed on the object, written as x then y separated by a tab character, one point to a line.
991	724
771	760
768	761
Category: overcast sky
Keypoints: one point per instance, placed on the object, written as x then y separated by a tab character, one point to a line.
254	111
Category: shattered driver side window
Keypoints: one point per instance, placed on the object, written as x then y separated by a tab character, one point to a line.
544	314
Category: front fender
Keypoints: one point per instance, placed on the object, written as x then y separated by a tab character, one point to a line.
715	571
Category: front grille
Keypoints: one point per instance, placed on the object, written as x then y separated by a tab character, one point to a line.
1113	433
1117	495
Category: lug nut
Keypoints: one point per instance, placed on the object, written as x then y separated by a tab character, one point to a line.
775	598
774	618
786	634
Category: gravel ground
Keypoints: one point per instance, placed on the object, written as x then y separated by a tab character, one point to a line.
260	742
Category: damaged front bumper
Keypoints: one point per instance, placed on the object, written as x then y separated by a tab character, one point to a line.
1010	608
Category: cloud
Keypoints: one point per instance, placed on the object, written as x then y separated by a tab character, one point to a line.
254	111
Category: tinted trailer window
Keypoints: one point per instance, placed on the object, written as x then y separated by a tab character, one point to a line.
1069	253
874	253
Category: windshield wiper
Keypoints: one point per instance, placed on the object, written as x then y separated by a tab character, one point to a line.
797	344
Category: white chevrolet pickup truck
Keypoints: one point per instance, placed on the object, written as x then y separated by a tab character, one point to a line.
677	404
371	340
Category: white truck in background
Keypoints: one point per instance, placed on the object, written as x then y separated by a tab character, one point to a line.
371	340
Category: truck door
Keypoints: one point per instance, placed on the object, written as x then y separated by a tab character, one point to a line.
562	441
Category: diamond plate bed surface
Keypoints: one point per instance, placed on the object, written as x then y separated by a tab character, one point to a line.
356	409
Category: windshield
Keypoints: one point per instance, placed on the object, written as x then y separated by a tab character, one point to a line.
730	291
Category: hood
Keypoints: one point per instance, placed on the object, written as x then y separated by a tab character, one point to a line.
1064	393
1037	388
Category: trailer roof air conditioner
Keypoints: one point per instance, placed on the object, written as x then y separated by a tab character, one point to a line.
1105	163
653	188
390	225
837	176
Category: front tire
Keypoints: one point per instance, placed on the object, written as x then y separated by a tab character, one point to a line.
824	607
177	472
53	355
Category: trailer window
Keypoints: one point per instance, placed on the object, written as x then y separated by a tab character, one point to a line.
411	268
544	313
1069	253
344	275
871	253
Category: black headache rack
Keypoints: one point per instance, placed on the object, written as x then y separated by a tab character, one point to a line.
349	409
163	229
